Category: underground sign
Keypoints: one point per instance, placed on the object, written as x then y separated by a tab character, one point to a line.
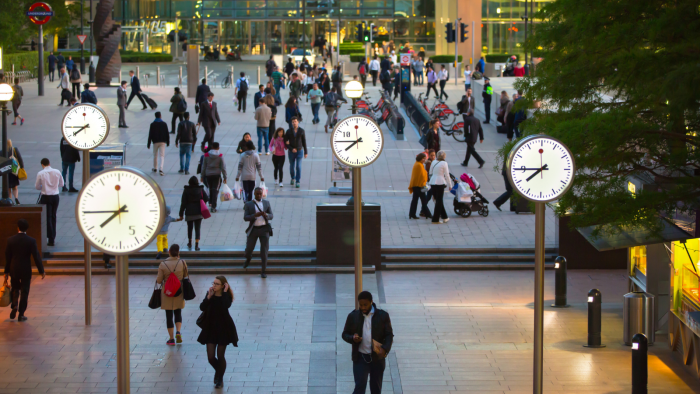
40	13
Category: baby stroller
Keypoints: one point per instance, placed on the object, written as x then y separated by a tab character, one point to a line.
467	196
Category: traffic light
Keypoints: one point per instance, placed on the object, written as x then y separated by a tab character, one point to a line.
449	33
359	35
366	37
463	32
374	32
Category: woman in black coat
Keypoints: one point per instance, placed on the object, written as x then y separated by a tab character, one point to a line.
218	329
191	209
433	137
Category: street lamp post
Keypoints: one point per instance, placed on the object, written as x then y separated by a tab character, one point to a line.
6	94
91	71
82	45
354	90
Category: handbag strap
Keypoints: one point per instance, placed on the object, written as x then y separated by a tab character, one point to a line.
256	204
171	271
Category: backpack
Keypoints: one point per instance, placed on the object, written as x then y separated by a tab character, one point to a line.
363	71
520	115
243	85
172	287
75	74
181	106
384	77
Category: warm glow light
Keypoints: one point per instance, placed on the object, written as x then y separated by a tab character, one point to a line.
353	89
6	92
498	10
635	346
556	265
590	299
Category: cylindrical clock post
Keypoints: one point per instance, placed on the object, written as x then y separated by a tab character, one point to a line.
122	268
87	249
539	298
357	205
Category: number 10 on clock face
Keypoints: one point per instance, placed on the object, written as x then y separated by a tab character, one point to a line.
357	141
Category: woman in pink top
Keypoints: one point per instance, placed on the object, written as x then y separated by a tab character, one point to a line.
277	148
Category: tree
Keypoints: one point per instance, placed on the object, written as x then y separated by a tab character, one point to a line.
620	85
16	28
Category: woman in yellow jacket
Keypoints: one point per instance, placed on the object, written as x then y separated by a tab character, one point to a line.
419	178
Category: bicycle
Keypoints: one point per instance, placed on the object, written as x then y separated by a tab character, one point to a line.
227	81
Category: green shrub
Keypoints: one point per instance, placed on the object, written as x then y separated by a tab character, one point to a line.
24	61
499	58
445	58
351	50
356	57
127	57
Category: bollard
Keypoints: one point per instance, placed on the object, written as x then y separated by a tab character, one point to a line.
162	81
206	72
179	81
640	372
560	283
594	319
91	72
259	76
230	77
157	73
120	77
138	72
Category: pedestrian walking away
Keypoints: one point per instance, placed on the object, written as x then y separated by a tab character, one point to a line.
213	169
191	209
443	76
159	137
218	329
278	81
374	70
121	103
258	214
69	156
315	94
432	80
178	106
487	96
292	110
509	117
507	194
172	305
467	78
241	91
16	102
49	181
19	251
88	96
419	180
331	104
162	237
209	119
270	66
472	132
248	165
64	85
260	94
277	147
295	86
52	66
201	94
13	179
135	90
60	61
186	137
368	329
481	65
75	79
418	68
362	69
270	102
520	115
289	68
262	115
439	180
295	140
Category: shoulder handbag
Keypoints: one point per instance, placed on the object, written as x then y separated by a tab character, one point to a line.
203	207
154	303
266	222
187	289
5	294
21	173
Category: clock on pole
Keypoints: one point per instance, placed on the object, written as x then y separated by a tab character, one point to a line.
540	169
120	211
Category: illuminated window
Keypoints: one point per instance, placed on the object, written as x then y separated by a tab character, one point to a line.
638	257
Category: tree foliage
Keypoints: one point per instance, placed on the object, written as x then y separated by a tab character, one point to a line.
620	85
16	28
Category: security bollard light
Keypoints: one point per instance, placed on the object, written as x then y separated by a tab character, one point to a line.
640	372
560	283
594	319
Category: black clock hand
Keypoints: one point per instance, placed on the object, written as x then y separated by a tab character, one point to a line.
81	129
536	172
351	145
103	211
531	169
114	215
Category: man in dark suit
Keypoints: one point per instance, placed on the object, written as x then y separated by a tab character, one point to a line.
208	118
52	66
202	92
472	131
368	330
135	90
88	96
121	103
260	94
258	213
18	266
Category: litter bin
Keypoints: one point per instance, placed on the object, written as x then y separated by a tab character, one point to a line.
638	316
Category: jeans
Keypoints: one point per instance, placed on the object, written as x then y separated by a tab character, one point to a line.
442	88
70	167
295	158
185	154
467	86
330	111
278	86
375	370
314	109
248	189
263	136
419	77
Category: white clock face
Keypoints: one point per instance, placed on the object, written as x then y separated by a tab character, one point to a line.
541	168
120	210
357	141
85	126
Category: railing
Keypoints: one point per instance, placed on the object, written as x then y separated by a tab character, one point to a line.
392	116
419	116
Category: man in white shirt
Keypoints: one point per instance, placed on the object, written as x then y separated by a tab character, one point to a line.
443	76
374	70
50	182
467	78
258	213
64	84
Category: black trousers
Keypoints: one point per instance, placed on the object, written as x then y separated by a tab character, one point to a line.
487	110
209	131
439	211
169	317
173	129
374	74
431	86
471	151
363	79
214	183
442	88
137	94
510	119
242	100
248	188
278	162
51	203
51	74
262	233
506	195
418	194
20	292
197	224
374	369
76	86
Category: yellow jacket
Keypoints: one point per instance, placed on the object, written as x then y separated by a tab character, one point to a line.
419	177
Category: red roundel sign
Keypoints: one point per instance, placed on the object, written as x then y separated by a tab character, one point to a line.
40	13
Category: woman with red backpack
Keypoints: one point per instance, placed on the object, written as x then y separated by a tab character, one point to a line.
170	274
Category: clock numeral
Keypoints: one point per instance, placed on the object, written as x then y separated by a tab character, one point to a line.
132	230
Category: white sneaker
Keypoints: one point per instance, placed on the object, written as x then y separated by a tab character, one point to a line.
445	220
267	153
281	184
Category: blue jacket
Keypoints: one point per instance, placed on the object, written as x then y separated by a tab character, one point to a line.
168	219
69	64
481	65
293	111
88	96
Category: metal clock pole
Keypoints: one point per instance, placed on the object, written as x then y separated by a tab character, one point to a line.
122	268
357	210
539	298
87	250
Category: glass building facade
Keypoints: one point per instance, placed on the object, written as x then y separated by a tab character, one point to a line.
502	26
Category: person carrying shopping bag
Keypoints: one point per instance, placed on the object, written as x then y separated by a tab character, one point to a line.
213	168
247	166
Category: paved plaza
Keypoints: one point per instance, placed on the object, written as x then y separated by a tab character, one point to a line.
385	182
454	332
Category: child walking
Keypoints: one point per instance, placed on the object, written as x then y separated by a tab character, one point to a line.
277	148
162	239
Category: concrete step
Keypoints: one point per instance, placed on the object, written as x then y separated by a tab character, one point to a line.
496	257
152	262
213	270
470	266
